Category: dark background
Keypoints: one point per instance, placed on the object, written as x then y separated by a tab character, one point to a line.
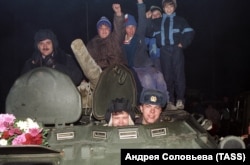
217	62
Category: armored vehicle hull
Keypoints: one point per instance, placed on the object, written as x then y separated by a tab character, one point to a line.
50	98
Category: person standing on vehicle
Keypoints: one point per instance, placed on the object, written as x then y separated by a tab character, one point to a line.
173	34
48	54
120	113
105	47
100	52
152	102
154	52
135	50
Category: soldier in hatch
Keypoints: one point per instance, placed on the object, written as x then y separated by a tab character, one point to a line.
152	102
120	113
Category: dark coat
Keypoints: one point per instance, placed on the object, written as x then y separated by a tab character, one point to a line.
136	52
60	61
176	30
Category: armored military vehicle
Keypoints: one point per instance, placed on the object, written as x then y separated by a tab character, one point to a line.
76	137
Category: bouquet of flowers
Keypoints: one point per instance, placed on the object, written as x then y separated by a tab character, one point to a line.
21	132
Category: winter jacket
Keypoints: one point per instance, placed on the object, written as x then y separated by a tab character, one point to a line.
170	30
108	51
60	61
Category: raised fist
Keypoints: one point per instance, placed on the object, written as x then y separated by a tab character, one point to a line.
117	9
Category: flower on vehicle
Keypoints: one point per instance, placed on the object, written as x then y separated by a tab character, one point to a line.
21	132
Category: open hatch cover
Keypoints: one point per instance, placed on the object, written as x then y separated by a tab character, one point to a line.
115	81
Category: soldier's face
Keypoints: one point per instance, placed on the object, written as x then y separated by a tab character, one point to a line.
103	31
120	119
150	113
45	47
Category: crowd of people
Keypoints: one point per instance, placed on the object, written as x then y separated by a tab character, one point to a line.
151	48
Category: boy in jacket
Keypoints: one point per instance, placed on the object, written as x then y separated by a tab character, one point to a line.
173	34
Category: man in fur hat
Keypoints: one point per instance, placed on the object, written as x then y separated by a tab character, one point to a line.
48	54
120	113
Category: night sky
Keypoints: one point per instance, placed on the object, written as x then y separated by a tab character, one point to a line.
217	62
